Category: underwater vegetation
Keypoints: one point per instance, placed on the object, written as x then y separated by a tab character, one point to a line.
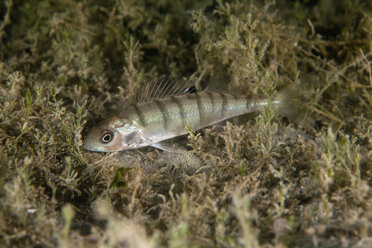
260	180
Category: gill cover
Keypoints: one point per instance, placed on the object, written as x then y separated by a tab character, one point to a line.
112	135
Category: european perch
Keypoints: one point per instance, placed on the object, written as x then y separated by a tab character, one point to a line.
165	109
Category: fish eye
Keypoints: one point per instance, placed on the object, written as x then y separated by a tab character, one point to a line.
107	137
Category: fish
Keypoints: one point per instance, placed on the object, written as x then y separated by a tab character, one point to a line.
168	109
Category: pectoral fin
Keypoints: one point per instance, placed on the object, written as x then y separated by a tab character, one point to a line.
166	146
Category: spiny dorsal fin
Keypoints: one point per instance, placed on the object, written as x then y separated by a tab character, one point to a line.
158	89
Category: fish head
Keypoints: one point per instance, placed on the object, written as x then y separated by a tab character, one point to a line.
114	134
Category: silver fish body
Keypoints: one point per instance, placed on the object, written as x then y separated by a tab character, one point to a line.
167	118
156	120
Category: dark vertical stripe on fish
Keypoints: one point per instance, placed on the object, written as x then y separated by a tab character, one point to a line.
235	99
211	99
139	113
247	103
223	106
181	110
236	102
200	109
164	113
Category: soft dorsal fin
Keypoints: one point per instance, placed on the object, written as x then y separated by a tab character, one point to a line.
225	86
212	89
217	86
157	89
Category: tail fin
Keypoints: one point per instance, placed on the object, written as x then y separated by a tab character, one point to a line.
295	105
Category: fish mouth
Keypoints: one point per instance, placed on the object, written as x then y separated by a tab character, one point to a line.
89	147
94	148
